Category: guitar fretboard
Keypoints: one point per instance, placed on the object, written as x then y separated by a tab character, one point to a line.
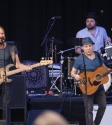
21	70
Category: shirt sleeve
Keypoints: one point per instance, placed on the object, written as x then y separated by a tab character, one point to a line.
105	34
78	35
16	50
76	64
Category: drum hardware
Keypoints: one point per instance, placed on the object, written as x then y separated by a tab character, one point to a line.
108	52
52	50
54	85
69	86
61	66
76	86
107	55
69	65
63	85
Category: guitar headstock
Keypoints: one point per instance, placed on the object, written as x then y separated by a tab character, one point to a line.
46	62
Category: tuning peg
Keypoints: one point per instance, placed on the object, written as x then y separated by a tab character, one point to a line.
42	58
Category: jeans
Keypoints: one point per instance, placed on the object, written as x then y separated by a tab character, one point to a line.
100	97
6	100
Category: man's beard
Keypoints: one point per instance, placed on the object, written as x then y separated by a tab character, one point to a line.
1	43
90	28
2	40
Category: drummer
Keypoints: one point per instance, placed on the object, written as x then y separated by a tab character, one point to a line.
97	33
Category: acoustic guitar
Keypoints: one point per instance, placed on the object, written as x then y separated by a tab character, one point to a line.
12	72
94	79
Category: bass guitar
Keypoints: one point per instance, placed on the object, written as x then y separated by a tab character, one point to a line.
94	79
9	73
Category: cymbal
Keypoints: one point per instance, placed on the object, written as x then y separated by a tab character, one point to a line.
54	40
75	41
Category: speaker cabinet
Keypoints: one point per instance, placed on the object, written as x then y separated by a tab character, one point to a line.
18	97
0	107
32	115
18	100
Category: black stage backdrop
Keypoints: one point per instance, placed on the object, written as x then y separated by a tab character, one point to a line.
25	21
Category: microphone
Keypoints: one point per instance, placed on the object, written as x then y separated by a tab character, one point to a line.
56	17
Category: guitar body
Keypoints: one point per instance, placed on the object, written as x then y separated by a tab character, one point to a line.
2	77
93	80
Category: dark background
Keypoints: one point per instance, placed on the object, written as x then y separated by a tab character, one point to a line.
25	21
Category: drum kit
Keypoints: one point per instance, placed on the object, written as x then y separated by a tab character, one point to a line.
64	83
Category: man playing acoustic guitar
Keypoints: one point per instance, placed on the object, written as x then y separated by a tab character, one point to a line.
95	67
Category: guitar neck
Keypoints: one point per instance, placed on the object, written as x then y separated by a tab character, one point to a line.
21	70
106	73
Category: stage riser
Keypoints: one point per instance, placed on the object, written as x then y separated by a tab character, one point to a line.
72	108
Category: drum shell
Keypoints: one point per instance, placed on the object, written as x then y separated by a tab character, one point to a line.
108	50
67	66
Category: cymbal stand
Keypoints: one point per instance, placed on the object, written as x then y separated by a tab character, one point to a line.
75	85
61	75
53	83
61	71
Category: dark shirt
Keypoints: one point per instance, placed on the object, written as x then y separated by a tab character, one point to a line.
8	58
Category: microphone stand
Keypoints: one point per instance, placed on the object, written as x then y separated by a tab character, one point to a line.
85	84
46	37
61	72
5	86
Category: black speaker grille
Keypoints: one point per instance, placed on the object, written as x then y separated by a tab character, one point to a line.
18	96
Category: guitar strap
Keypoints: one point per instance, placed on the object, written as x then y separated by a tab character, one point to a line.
100	60
98	55
12	53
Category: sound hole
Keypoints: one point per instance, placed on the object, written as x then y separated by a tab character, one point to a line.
98	77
